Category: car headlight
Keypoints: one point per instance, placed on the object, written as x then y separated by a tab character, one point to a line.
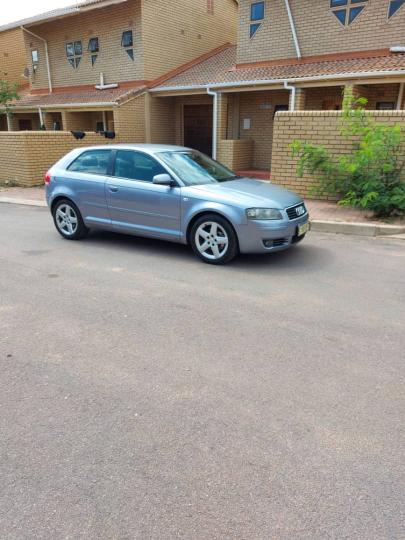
263	213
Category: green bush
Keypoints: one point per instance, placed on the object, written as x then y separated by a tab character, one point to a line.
8	94
371	176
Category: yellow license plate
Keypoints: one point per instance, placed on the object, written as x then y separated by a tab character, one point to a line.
302	229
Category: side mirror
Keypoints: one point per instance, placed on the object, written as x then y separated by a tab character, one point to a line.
164	180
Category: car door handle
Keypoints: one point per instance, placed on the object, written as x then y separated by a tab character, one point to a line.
113	189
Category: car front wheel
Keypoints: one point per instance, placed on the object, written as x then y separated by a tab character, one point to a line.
68	220
213	239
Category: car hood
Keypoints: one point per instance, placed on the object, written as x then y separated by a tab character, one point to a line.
246	192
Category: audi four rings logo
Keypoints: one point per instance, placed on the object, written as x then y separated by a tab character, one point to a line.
300	210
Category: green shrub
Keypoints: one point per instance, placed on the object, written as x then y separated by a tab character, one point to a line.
371	176
8	94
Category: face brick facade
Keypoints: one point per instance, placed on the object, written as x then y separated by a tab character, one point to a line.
12	56
318	30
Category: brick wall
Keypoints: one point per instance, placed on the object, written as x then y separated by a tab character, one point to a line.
12	56
236	154
26	156
317	127
318	30
162	120
130	121
177	32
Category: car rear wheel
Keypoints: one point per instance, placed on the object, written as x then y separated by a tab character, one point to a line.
68	220
213	239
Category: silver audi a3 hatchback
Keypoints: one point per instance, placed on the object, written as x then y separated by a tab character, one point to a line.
172	193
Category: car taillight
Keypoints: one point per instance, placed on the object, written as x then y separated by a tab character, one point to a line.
47	179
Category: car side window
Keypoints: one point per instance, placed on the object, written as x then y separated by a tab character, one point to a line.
136	166
92	161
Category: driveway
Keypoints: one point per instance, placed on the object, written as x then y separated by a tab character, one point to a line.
145	395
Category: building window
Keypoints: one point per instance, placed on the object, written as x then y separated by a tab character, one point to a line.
127	42
93	45
35	59
35	56
74	53
385	106
93	48
256	14
346	11
127	39
394	7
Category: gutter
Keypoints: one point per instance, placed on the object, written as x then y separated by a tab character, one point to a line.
258	82
72	106
293	31
46	54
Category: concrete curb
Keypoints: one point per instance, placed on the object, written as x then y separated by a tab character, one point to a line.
26	202
336	227
359	229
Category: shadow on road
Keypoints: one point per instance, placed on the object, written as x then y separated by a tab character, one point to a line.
305	255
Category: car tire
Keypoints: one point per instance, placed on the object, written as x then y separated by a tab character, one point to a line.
68	220
213	239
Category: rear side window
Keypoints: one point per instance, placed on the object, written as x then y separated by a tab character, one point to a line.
136	166
92	161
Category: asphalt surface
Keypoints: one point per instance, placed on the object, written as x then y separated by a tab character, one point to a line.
145	395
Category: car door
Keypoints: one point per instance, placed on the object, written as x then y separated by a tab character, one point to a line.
86	179
136	204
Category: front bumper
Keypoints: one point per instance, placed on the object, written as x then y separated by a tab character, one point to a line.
264	236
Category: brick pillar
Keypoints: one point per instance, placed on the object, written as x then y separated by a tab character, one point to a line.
48	121
222	127
300	99
11	123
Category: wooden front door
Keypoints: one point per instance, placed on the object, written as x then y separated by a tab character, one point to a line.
198	127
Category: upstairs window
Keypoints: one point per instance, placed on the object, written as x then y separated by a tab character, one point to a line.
74	53
93	48
93	45
256	15
346	11
394	7
35	59
35	56
127	42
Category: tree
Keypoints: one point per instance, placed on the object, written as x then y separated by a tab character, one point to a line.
8	94
371	176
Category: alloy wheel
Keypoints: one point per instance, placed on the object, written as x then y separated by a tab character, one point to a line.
211	240
66	219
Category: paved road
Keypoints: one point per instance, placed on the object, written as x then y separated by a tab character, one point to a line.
145	395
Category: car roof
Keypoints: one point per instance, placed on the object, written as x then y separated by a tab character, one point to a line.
147	148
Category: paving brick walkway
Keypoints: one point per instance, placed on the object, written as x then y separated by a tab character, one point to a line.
319	210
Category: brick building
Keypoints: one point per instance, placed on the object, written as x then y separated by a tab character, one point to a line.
211	74
87	62
291	55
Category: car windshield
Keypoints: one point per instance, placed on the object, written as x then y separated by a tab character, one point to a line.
195	168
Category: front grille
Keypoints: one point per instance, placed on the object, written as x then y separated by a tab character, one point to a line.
297	211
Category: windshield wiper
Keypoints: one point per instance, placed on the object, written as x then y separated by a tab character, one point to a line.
234	177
